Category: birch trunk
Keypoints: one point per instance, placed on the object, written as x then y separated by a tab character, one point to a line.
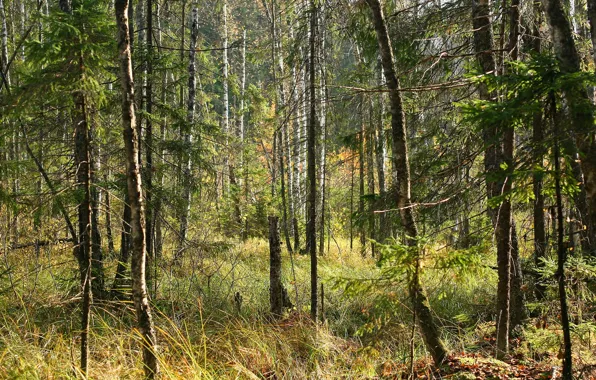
131	143
4	54
580	112
296	154
381	153
322	144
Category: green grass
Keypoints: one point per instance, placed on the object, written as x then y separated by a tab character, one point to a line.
201	335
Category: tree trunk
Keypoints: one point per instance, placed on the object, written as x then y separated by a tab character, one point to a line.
517	307
369	134
321	139
580	110
149	145
226	101
311	214
567	373
283	193
361	179
4	53
188	140
109	232
275	285
242	136
381	149
401	167
96	249
592	20
82	159
131	143
125	248
296	154
493	157
540	239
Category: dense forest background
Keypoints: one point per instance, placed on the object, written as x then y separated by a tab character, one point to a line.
297	189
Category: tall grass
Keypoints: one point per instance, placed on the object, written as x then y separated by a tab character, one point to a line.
202	335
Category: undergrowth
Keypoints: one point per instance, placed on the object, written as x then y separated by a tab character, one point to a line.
202	334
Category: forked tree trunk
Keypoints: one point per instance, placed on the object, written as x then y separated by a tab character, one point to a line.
133	174
428	326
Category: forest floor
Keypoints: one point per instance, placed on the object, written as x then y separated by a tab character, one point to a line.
204	335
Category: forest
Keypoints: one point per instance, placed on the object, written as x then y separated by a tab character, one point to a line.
297	189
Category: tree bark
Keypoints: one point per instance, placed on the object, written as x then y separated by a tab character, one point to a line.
369	136
361	179
125	248
275	285
97	271
149	144
540	239
109	232
428	326
82	159
131	143
580	110
494	155
311	214
4	53
567	373
322	132
226	101
592	21
517	307
380	150
188	140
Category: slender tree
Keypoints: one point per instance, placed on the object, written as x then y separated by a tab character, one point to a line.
190	116
311	209
401	167
149	139
561	249
133	174
496	152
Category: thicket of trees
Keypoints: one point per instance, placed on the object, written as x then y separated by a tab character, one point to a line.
402	127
